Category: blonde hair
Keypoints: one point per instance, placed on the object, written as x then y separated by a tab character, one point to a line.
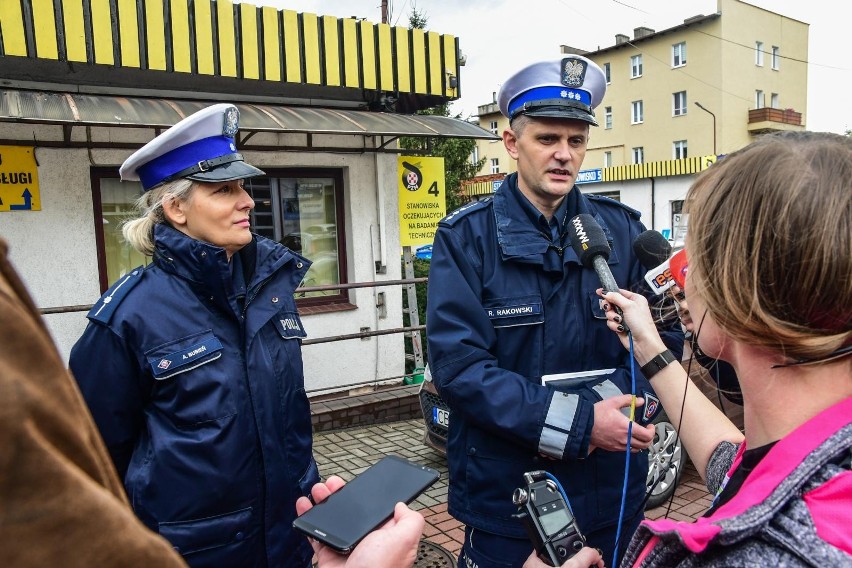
770	243
139	232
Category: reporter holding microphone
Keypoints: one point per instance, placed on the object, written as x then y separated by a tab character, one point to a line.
770	291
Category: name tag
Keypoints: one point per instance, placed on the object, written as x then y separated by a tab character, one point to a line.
510	312
205	349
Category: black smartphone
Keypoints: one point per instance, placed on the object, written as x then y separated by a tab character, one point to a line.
364	503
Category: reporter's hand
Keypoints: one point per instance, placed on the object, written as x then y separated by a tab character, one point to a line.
647	343
610	428
393	545
584	559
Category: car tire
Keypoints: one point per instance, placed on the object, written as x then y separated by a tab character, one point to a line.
666	460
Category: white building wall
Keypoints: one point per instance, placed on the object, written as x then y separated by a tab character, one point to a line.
54	249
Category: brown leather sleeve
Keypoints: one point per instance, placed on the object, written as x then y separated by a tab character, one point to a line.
61	502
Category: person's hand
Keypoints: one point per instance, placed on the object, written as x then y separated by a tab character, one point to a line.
647	343
682	308
610	428
584	559
393	545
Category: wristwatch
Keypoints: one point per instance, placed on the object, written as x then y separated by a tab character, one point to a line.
658	363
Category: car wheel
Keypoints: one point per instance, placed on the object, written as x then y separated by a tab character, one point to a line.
665	463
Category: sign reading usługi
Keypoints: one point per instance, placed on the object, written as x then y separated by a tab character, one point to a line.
18	179
422	200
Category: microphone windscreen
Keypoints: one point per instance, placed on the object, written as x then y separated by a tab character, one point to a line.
652	249
588	239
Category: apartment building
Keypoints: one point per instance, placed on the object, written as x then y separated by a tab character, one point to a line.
678	98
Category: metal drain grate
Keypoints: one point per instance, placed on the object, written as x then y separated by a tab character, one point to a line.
430	555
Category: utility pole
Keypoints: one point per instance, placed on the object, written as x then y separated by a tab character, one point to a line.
699	105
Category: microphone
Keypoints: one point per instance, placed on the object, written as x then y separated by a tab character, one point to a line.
592	248
653	250
589	242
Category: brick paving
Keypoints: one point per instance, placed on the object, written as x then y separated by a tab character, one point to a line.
348	452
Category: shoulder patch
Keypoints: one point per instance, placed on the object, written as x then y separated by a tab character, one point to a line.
464	210
104	308
603	200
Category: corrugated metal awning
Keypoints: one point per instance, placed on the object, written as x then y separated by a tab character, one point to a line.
75	109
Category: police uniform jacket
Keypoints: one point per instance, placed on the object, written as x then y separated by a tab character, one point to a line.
507	305
199	394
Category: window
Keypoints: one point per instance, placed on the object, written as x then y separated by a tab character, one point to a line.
302	209
474	155
495	165
679	54
759	99
639	155
607	117
776	57
774	101
679	103
635	66
679	150
493	127
607	160
758	53
637	112
606	71
616	195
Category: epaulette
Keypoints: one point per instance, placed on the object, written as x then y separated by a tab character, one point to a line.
464	210
104	308
609	201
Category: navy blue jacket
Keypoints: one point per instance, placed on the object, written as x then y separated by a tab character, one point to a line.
200	398
507	306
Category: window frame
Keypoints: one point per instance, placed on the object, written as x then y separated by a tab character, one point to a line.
495	165
635	66
774	100
493	127
638	152
758	53
607	161
776	58
682	109
634	105
679	53
608	118
607	72
759	99
341	296
679	146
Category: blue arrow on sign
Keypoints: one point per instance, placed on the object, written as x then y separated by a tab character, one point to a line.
28	202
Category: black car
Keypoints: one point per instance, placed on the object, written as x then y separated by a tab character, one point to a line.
665	460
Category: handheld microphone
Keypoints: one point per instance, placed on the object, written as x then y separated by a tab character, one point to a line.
653	250
592	248
589	242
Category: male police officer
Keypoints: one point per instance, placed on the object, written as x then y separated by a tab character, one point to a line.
509	304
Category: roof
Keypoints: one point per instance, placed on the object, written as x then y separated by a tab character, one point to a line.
74	109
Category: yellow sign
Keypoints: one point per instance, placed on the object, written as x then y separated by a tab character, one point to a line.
422	198
18	179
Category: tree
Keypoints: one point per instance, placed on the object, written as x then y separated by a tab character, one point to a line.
455	151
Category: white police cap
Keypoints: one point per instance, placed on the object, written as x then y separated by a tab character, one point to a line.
569	87
200	147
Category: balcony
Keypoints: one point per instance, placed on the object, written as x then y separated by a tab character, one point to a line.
765	120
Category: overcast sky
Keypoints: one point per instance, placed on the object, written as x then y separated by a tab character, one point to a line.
500	36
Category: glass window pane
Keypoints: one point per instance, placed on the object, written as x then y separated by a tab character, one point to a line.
117	200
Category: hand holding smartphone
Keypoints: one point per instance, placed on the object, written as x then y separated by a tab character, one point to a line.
348	515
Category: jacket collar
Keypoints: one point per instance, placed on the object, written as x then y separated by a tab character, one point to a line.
519	235
207	265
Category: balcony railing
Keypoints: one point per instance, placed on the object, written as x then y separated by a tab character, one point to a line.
771	119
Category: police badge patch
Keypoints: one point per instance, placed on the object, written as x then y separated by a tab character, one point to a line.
231	122
573	72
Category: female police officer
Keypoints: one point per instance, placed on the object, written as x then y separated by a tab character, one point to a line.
192	366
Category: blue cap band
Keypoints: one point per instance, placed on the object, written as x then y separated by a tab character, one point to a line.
549	92
186	156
